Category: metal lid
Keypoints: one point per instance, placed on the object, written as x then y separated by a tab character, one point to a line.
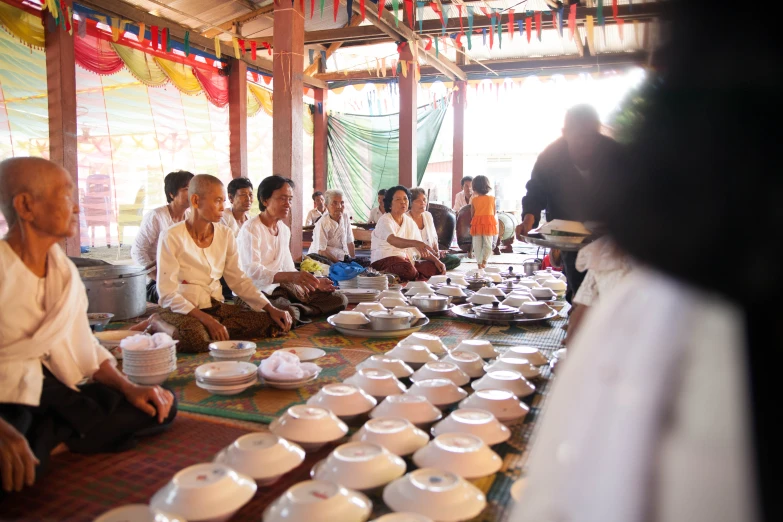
391	314
111	271
430	297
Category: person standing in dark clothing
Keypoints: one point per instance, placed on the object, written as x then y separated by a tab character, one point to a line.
562	183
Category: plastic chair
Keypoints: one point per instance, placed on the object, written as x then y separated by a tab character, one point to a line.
130	214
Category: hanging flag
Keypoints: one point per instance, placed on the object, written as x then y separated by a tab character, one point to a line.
312	8
405	65
217	42
361	10
253	49
589	27
437	50
235	43
538	25
521	27
600	12
459	40
322	8
636	33
445	11
254	75
484	35
241	46
528	27
492	31
511	23
470	27
459	12
82	28
428	45
154	37
614	9
142	30
69	20
418	73
323	58
268	48
500	31
409	9
383	67
420	15
437	11
187	43
115	29
396	11
311	53
349	5
560	20
336	8
302	8
167	39
572	21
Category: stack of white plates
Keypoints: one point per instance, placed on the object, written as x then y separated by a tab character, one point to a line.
226	377
149	366
379	283
350	283
359	295
290	383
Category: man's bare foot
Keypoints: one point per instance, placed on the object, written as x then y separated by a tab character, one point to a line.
156	324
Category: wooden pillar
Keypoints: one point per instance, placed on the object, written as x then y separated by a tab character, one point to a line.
237	118
320	160
61	90
408	92
458	156
287	141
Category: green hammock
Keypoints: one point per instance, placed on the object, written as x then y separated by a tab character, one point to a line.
364	153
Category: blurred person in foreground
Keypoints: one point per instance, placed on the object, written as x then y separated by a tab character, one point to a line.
667	409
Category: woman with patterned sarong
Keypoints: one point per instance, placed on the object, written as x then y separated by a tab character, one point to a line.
426	226
265	256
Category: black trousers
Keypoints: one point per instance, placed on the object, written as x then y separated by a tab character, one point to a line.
152	292
96	419
574	276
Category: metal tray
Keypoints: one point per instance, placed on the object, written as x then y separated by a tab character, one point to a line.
466	312
566	247
366	331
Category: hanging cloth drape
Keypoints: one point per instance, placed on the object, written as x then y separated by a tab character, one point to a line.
363	153
22	25
96	55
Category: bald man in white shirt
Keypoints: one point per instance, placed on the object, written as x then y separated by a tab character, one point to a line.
46	346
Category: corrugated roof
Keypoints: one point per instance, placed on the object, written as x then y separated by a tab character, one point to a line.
199	15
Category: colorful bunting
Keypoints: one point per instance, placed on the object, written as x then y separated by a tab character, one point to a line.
154	37
560	20
521	27
500	31
511	23
600	12
538	25
572	21
322	8
64	9
409	9
420	15
445	16
167	39
484	35
589	27
142	30
438	12
336	8
459	11
396	10
241	46
470	27
528	27
187	43
235	43
253	50
361	10
349	5
312	8
492	31
428	45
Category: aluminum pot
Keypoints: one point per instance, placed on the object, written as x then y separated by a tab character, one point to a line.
431	302
390	320
531	266
117	289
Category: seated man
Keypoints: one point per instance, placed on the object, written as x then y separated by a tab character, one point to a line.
332	236
240	194
192	257
145	246
265	256
377	212
319	204
46	346
462	199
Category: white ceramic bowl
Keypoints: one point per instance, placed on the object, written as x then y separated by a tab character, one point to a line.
495	278
111	339
543	293
344	400
318	501
377	382
557	285
535	309
441	370
470	363
437	279
517	364
517	300
482	299
461	453
505	380
393	294
384	362
415	312
202	492
442	393
496	291
393	302
492	270
528	282
264	457
480	423
366	308
451	291
403	517
309	426
459	280
413	354
396	434
137	513
350	318
437	494
534	355
153	380
503	404
362	466
417	409
432	342
418	284
483	349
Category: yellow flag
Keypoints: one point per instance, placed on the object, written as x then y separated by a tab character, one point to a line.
636	32
590	34
217	47
142	29
404	68
383	67
235	43
53	8
115	29
418	72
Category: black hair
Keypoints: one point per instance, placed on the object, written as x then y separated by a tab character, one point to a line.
316	194
481	185
389	196
382	192
174	182
465	180
238	183
268	186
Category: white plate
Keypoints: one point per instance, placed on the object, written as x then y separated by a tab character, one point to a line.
226	370
378	334
224	390
289	385
305	354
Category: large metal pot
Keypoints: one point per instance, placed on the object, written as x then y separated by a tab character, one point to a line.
531	266
444	220
431	302
116	289
390	320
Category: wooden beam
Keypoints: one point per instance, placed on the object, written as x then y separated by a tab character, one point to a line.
458	138
313	68
408	109
320	161
252	15
177	32
237	118
61	90
509	67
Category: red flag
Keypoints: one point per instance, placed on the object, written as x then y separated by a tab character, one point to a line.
312	8
538	25
241	43
428	46
361	7
154	36
434	7
572	21
267	79
254	75
461	27
459	40
253	48
614	10
401	46
336	8
485	11
409	10
492	31
528	27
511	22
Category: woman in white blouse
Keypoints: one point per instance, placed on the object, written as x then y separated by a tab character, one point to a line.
265	256
145	246
426	226
397	247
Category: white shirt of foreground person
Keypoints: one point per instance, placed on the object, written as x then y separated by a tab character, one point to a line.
189	276
145	246
386	226
44	322
262	254
332	236
461	201
647	420
230	221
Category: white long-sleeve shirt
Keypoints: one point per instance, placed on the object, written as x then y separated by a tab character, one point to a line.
332	236
429	234
386	226
314	216
461	201
189	276
231	222
262	254
145	246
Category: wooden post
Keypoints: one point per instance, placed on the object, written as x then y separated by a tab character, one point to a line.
458	156
287	141
61	90
237	118
408	92
320	160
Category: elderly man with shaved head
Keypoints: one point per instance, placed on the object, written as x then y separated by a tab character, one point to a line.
46	347
192	257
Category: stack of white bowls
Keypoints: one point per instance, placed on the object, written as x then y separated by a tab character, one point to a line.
226	377
149	365
232	350
350	283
